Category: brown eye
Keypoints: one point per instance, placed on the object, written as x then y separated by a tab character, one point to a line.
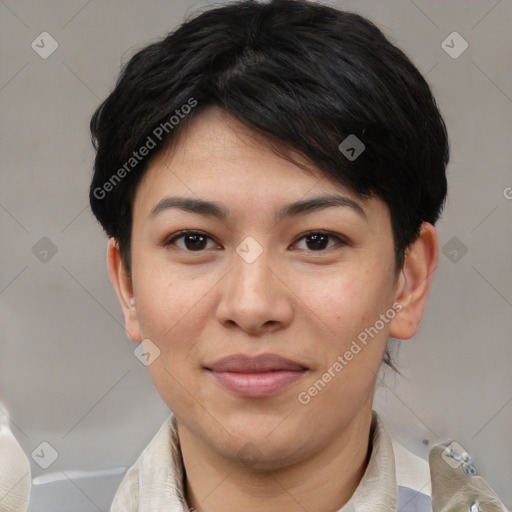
318	240
193	241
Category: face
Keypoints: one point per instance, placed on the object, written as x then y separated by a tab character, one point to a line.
315	287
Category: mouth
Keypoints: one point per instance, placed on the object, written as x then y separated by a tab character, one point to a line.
259	376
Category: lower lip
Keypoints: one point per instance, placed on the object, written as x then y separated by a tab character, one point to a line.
257	384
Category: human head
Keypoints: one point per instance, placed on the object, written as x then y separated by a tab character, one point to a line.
292	79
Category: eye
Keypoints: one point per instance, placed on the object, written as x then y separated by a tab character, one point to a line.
194	241
317	240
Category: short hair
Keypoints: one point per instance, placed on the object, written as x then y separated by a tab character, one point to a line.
304	75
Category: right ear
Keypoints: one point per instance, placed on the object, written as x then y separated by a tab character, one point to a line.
123	287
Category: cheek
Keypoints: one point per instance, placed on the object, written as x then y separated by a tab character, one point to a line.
171	311
345	302
168	302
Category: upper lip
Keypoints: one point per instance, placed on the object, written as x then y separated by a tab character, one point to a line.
241	363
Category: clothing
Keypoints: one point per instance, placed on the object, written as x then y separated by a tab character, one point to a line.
394	480
15	475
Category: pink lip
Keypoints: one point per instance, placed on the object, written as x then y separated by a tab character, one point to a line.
259	376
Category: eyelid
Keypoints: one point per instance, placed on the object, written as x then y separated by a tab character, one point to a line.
180	234
339	238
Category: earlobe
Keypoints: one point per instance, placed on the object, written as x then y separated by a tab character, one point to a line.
123	287
414	282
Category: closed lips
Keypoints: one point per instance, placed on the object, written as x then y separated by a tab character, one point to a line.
260	364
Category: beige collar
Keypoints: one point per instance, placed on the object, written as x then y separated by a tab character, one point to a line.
377	489
156	481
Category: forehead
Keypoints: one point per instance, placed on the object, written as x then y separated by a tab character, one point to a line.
218	158
217	138
217	149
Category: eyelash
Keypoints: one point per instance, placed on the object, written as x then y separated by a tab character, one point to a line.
187	232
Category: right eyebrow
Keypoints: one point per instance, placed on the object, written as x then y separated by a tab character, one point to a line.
213	209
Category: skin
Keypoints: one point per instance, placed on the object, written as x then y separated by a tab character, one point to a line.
296	300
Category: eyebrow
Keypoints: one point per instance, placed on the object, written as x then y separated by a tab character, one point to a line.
213	209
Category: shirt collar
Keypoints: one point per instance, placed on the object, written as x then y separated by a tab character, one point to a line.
376	491
378	488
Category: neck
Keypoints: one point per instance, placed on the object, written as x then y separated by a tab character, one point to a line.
324	481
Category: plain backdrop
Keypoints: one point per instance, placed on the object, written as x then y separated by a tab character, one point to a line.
67	370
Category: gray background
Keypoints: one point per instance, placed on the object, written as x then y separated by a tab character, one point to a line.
67	370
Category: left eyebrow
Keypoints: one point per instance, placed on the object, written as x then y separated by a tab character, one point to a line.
319	203
213	209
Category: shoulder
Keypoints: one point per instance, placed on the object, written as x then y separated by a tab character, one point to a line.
455	487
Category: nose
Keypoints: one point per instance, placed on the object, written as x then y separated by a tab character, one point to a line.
256	297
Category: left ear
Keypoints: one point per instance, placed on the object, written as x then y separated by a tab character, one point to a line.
123	286
414	282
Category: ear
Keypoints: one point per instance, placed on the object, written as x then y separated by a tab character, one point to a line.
414	281
123	286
